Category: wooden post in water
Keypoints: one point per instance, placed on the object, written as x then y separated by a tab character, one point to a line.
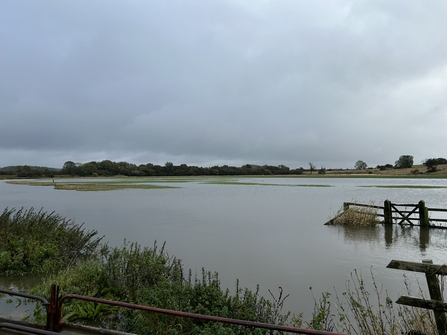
435	293
423	214
387	212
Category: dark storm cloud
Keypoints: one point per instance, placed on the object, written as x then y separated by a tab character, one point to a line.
199	82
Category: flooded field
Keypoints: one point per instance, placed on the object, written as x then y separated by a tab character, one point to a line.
267	231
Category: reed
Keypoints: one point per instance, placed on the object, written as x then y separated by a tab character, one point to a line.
357	217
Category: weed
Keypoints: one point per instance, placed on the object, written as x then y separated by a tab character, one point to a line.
39	242
356	216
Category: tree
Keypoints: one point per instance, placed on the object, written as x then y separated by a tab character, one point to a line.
312	167
88	169
360	165
404	161
432	163
69	168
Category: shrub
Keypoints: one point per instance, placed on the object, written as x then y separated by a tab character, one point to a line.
39	242
148	276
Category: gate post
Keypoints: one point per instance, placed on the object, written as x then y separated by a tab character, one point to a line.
423	214
53	310
435	293
387	212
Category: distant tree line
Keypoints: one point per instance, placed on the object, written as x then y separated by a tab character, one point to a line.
404	161
25	171
109	168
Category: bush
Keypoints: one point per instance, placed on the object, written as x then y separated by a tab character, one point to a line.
39	242
148	276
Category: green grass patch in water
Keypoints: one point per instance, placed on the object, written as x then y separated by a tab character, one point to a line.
92	186
407	186
105	187
243	183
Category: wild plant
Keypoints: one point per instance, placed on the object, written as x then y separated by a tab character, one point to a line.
357	311
356	216
39	242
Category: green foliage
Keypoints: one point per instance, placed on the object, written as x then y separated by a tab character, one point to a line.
404	161
109	168
148	276
432	163
39	242
360	165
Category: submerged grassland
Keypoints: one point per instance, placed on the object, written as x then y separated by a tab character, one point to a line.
93	186
407	186
98	184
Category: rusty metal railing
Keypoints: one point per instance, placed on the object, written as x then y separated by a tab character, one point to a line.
26	329
55	322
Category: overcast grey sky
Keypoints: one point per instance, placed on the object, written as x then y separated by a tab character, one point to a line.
222	81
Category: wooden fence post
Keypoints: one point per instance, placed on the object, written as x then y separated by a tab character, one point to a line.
423	214
388	235
345	206
435	293
387	212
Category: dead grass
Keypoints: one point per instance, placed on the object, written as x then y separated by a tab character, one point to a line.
356	217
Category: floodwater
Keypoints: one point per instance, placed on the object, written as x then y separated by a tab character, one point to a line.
271	235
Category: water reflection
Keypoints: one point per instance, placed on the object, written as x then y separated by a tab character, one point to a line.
361	234
392	234
16	307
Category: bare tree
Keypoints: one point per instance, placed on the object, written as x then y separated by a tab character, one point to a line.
312	167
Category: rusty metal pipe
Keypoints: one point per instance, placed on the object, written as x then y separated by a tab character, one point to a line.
26	329
25	295
193	316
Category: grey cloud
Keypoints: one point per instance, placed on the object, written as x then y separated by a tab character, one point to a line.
204	82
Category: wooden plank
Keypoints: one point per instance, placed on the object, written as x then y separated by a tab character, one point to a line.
362	205
332	221
422	303
437	209
403	216
418	267
438	220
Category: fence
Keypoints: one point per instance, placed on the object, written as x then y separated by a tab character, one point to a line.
404	214
435	302
55	323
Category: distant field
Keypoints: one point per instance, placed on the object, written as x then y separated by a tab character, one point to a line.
417	171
